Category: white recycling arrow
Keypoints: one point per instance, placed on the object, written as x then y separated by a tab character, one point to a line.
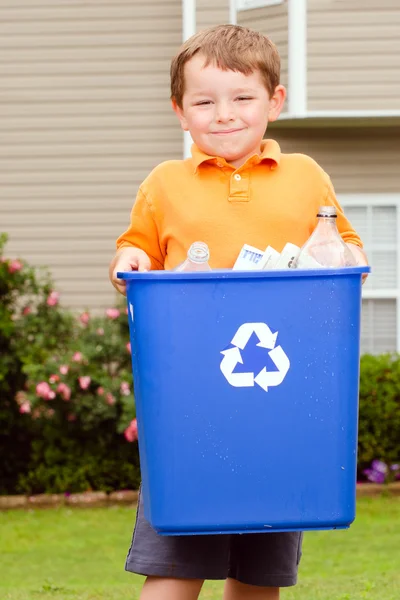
266	378
263	332
231	358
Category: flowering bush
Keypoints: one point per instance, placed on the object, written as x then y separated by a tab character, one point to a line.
88	382
66	399
379	424
30	329
379	472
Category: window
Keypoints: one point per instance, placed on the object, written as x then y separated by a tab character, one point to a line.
376	218
248	4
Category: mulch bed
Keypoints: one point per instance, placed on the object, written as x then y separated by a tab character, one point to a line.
129	497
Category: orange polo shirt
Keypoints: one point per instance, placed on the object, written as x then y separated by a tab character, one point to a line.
270	200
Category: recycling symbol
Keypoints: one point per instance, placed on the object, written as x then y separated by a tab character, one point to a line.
232	356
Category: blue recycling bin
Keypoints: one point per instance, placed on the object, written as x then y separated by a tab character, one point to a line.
246	388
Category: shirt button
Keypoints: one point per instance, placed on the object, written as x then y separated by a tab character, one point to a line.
237	177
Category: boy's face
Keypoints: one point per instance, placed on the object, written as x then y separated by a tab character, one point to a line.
226	112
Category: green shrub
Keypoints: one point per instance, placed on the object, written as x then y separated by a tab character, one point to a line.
379	424
26	319
66	400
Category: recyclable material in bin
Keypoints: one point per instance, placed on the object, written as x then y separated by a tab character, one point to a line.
268	443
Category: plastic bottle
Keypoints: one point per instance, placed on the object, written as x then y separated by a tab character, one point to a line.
325	247
197	259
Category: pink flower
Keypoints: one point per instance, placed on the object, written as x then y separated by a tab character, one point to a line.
64	369
71	417
77	357
25	407
51	395
54	378
100	391
49	413
53	298
27	310
112	313
129	348
110	399
14	266
125	389
131	432
100	331
126	310
84	318
84	382
44	391
64	390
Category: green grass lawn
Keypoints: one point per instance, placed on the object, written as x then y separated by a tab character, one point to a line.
78	554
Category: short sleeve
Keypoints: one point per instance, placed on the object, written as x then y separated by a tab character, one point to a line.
142	232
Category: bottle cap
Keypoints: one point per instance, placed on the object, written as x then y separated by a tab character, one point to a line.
327	211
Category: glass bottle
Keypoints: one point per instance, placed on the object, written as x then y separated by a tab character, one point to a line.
197	259
325	246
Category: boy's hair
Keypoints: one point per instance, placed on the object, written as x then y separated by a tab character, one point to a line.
231	48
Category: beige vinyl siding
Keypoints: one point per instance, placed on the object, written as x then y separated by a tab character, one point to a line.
353	55
211	12
84	116
364	160
273	22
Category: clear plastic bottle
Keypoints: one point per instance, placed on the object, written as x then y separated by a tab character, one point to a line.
197	259
325	247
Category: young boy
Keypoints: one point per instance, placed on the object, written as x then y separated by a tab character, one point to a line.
236	188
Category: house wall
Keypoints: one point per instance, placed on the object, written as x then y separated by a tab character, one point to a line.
353	55
85	115
211	12
358	160
273	22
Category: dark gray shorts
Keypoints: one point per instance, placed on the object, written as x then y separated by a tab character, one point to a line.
262	559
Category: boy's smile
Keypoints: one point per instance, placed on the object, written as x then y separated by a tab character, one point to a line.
226	112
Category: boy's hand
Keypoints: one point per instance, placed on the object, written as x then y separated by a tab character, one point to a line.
360	257
127	259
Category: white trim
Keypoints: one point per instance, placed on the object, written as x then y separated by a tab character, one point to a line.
339	114
297	58
391	294
233	12
367	199
188	29
188	18
249	4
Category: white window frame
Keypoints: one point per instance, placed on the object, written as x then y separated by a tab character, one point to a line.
384	199
249	4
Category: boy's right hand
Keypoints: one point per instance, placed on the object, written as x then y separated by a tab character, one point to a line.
127	259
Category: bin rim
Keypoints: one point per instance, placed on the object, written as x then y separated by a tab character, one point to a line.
230	274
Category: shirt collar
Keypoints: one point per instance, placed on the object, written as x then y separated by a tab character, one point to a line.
270	151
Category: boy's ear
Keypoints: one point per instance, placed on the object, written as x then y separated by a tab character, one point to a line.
276	103
179	113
